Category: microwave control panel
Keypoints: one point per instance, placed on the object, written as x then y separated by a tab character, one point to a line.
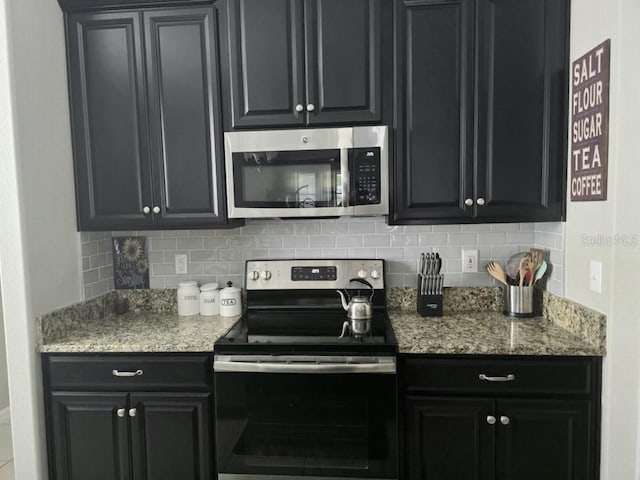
365	168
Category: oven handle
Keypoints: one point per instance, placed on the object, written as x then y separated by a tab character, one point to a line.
312	365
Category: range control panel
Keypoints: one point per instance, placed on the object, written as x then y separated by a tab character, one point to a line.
311	274
365	165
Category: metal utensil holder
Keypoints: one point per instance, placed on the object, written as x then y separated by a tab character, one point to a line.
429	300
518	301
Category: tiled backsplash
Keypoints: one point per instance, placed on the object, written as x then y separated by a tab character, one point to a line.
219	255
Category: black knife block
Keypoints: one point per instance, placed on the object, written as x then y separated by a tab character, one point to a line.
430	305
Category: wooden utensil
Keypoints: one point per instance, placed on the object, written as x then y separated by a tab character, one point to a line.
522	268
496	271
537	257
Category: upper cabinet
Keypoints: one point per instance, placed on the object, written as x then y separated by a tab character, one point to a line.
481	111
146	118
313	62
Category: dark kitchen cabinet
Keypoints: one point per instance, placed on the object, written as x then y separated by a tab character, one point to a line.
481	111
312	62
105	427
146	118
540	424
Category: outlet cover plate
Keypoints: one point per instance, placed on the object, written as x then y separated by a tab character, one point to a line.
181	263
469	261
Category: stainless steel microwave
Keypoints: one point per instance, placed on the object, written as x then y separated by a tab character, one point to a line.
325	172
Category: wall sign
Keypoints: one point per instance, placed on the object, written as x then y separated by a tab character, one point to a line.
130	264
590	124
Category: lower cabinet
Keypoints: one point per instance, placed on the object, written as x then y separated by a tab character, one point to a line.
499	427
127	435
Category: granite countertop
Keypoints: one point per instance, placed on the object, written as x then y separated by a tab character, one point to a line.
485	333
153	325
144	332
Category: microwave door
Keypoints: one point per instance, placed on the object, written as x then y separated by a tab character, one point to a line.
297	183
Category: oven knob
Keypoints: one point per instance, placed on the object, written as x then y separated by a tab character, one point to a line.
253	275
265	274
375	274
362	274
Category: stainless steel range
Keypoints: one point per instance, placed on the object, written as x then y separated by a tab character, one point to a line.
297	393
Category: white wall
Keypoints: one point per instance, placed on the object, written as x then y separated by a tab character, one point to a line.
39	247
4	378
593	21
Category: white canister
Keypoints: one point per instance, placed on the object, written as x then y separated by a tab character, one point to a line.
230	301
188	298
209	299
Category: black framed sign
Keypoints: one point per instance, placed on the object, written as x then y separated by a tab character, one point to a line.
590	124
130	263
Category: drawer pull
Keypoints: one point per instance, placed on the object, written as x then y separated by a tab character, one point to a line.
118	373
491	420
509	378
504	420
121	412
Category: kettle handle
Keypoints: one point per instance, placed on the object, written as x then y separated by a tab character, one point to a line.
364	282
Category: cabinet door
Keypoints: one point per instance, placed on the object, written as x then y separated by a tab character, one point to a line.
345	58
543	439
449	438
89	439
522	113
266	61
108	116
434	72
184	116
171	436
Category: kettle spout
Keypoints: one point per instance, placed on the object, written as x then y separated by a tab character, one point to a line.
345	305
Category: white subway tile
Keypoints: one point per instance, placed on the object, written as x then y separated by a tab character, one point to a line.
322	241
164	244
362	253
190	243
404	240
505	227
215	268
462	239
334	228
432	239
446	228
362	228
475	228
306	228
389	252
215	242
348	241
376	240
495	238
335	252
308	253
301	241
204	255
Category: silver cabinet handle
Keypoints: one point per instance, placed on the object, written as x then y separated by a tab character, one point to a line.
311	107
156	209
509	378
118	373
299	107
480	201
121	412
504	420
146	210
133	412
468	202
491	420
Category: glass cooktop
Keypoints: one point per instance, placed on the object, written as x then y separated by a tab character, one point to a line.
319	331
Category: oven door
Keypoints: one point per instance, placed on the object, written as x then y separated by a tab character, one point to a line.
288	173
306	416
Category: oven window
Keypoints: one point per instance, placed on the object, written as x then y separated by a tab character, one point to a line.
295	179
306	424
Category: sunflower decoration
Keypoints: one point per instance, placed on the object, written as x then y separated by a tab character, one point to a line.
142	265
132	249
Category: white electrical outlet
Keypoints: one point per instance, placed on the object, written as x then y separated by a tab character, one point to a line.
181	263
595	276
469	261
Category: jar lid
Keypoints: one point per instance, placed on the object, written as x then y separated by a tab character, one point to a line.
230	289
207	287
188	283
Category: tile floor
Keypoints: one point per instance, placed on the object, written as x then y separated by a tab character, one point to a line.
6	452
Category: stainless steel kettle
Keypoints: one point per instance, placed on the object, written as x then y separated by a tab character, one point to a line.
359	310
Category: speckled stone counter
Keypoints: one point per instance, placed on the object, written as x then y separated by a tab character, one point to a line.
144	332
151	325
487	332
474	324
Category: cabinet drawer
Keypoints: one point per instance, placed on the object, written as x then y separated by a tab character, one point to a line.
569	375
129	372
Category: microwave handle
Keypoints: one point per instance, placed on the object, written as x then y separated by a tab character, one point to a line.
344	175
